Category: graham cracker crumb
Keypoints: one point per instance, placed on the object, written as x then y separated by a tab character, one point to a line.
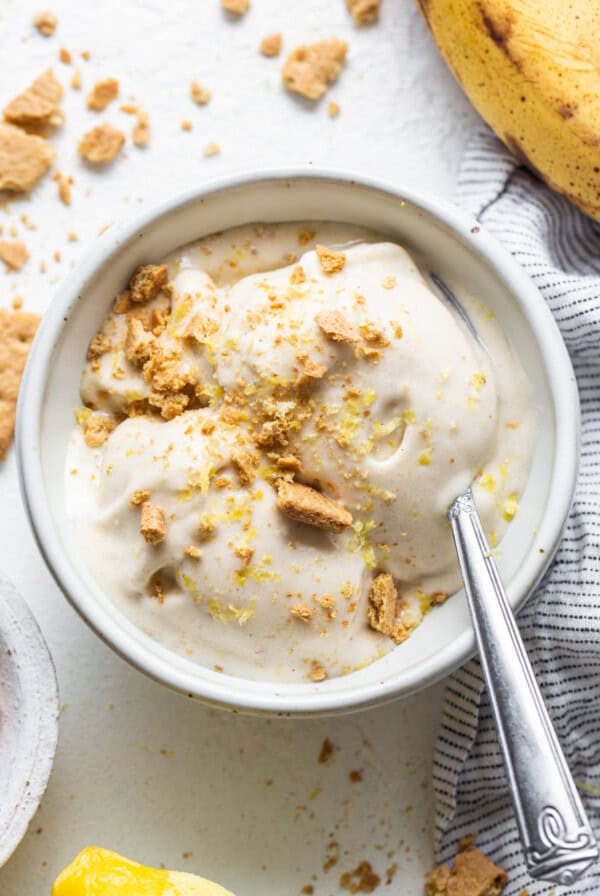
201	327
364	12
337	327
310	69
244	553
317	672
17	329
361	880
140	134
102	93
333	109
102	144
76	79
147	282
139	496
139	343
298	276
289	462
38	105
306	505
85	54
326	752
65	56
211	149
331	262
305	236
245	463
17	303
193	552
96	430
236	7
355	776
152	523
270	45
473	875
438	598
201	95
14	254
382	608
301	612
45	22
186	125
64	187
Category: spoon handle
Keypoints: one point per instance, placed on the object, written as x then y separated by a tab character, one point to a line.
556	835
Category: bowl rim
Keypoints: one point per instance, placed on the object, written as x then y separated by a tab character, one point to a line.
281	699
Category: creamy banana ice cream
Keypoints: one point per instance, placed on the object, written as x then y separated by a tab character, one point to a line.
274	423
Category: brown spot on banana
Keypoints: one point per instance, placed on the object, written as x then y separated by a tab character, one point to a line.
499	28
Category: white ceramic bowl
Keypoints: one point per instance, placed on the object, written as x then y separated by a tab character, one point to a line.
451	244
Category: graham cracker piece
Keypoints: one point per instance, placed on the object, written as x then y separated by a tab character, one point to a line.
13	253
317	672
102	93
337	327
201	327
152	523
364	12
245	463
99	345
473	875
361	879
201	95
64	187
17	329
65	56
311	68
45	22
139	496
101	144
382	608
139	343
271	45
306	505
37	106
96	429
301	612
236	7
147	282
331	262
24	158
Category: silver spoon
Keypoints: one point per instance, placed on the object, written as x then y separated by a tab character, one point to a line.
555	833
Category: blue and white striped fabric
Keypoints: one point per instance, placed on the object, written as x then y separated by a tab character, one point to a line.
560	250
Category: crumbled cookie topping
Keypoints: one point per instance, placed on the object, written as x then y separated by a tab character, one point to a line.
101	145
236	7
270	45
337	327
211	149
152	523
102	93
200	95
473	874
13	253
38	106
331	262
309	70
45	22
361	879
64	187
306	505
364	12
139	496
96	429
383	599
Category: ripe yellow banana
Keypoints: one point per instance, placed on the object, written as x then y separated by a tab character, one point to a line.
532	70
99	872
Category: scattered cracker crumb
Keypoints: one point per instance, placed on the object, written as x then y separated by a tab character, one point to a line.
211	149
301	612
245	464
140	134
305	236
271	45
72	237
337	327
326	752
193	552
85	54
102	93
298	276
14	254
333	109
310	69
473	874
147	282
17	329
64	187
236	7
382	608
355	776
331	262
152	523
364	12
139	342
45	22
139	496
38	105
96	429
317	672
17	303
467	841
289	462
361	879
76	79
201	95
102	144
306	505
186	125
65	56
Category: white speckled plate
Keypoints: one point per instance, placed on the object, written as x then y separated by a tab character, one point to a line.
28	717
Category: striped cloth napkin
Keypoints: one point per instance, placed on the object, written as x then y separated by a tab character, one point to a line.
560	250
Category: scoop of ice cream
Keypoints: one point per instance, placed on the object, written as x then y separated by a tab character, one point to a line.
230	576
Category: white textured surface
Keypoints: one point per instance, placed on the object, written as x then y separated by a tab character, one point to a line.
402	118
